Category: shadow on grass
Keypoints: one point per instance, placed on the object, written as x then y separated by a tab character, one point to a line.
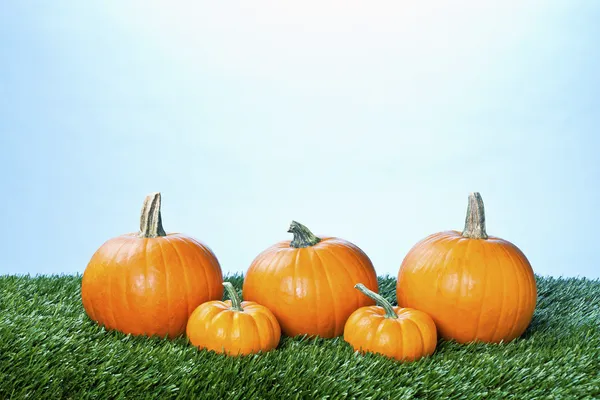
539	323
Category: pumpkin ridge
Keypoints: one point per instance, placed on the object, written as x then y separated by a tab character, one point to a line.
530	277
399	344
287	260
275	327
341	264
269	316
420	334
434	256
317	299
436	239
530	280
517	270
268	270
463	265
186	281
495	330
356	253
376	334
309	285
194	278
145	320
126	286
516	275
294	275
200	260
425	253
331	290
111	309
87	300
257	330
260	261
216	315
166	267
214	261
483	290
532	289
265	268
234	326
215	343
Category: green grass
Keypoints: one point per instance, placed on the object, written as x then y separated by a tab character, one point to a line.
50	349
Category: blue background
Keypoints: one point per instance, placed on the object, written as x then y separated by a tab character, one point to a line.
368	121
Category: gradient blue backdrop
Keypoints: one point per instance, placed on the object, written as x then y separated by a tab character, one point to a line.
371	121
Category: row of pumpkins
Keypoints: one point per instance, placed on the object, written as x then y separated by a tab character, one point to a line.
466	286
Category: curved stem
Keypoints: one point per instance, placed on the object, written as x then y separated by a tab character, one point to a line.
236	304
151	221
303	237
389	309
475	221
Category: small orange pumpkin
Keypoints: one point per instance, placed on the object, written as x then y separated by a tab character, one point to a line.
404	334
148	283
475	287
308	282
232	327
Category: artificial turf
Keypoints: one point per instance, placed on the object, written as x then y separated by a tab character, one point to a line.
50	349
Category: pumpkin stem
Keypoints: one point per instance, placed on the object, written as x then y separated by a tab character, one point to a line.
236	304
389	309
475	221
303	237
151	221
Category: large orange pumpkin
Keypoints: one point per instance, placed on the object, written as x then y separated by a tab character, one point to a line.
308	282
148	283
233	327
404	334
475	287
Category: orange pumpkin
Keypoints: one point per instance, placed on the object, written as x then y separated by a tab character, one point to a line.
475	287
401	333
308	282
148	283
232	327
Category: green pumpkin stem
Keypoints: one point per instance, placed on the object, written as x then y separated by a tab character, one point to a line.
475	221
303	237
389	309
151	221
236	304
